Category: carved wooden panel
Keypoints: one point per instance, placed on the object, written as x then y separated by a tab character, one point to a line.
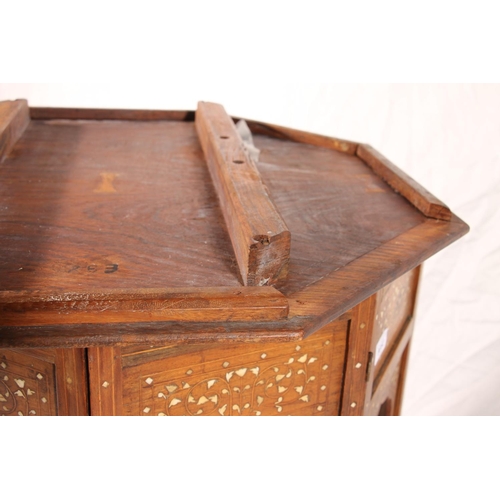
43	382
273	379
394	307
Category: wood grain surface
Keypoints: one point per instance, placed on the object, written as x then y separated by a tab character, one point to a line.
417	195
260	237
123	306
14	118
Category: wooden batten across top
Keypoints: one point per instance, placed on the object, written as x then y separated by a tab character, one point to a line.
260	237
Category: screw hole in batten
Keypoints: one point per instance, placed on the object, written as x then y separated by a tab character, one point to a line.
238	162
224	137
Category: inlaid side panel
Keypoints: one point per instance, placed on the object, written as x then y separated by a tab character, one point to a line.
393	310
273	379
27	385
43	382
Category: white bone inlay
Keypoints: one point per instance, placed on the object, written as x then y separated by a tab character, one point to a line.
222	410
161	414
323	387
237	408
280	399
281	389
189	372
225	391
20	382
327	342
174	402
20	413
30	392
324	367
319	408
225	364
105	384
214	399
299	389
312	360
6	378
241	372
258	413
149	381
210	383
297	348
305	398
171	388
246	387
300	372
229	375
20	394
255	370
202	400
146	410
185	385
263	355
199	412
310	379
290	361
303	359
32	412
279	408
3	365
44	400
247	405
191	399
161	395
260	399
39	376
279	377
276	370
236	389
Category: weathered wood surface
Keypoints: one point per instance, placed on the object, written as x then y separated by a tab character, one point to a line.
124	306
417	195
109	114
260	237
112	204
14	118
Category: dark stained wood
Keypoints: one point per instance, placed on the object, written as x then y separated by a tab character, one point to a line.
14	118
418	196
279	132
120	306
109	114
260	237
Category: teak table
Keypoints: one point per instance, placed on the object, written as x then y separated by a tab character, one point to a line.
152	265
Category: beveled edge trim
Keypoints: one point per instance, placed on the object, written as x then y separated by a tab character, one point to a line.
30	308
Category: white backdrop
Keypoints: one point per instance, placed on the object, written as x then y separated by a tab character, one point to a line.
446	136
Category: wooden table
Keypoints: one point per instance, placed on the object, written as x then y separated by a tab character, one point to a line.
133	244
